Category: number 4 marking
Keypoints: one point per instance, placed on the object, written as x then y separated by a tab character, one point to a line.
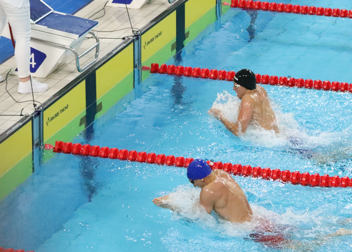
31	61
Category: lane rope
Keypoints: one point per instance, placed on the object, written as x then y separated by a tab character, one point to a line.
289	8
295	178
265	79
12	250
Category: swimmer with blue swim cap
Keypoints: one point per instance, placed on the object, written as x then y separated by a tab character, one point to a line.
255	105
220	192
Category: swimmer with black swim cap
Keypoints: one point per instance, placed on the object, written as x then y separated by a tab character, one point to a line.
255	105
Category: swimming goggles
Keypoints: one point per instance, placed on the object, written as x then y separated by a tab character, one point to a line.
192	181
236	85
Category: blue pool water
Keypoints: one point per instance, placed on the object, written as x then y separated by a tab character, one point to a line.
91	204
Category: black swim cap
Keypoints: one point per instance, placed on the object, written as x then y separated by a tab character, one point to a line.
246	78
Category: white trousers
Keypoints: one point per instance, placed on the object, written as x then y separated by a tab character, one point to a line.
19	19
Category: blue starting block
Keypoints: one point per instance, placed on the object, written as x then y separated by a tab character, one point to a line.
133	4
54	36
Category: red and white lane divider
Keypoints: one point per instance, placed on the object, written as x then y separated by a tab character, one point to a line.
286	176
12	250
289	8
265	79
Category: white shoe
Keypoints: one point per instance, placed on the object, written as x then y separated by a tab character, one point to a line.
25	87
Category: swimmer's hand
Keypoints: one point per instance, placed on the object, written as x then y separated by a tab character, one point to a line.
163	202
216	113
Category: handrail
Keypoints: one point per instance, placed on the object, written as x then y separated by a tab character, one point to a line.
77	56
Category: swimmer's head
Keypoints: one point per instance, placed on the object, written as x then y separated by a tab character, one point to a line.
245	78
198	169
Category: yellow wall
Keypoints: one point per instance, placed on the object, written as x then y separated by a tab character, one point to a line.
115	70
158	36
63	111
15	148
195	9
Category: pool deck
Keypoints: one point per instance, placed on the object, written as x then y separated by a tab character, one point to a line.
113	25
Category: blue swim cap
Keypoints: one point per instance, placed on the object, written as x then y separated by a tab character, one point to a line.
198	169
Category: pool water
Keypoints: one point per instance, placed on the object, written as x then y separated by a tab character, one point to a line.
77	203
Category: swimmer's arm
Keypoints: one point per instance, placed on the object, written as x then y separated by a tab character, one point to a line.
233	127
207	200
243	119
246	113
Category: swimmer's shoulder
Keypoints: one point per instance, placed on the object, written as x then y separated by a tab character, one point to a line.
218	182
219	172
223	178
223	175
250	100
210	192
261	91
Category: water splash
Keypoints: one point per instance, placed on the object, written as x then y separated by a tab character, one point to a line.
322	146
302	225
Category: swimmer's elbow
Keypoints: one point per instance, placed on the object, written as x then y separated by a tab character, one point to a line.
237	130
205	206
207	209
234	128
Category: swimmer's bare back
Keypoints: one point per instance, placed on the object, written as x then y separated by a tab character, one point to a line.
229	201
263	114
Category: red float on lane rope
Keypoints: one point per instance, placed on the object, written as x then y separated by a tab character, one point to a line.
285	176
257	171
266	173
114	152
142	157
76	149
12	250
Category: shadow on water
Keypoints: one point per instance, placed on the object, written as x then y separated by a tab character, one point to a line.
335	156
88	166
251	31
178	88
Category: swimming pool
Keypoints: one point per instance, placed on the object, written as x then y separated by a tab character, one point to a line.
107	204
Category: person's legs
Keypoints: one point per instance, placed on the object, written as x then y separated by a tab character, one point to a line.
19	19
317	242
3	19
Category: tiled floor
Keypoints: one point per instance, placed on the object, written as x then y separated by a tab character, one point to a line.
116	25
